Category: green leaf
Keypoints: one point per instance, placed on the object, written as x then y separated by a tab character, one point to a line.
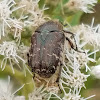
75	19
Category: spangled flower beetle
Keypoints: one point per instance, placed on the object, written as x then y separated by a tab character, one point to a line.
47	43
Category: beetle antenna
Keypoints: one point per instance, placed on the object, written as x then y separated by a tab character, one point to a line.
64	24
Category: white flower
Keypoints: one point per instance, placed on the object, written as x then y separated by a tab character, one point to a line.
38	94
42	93
5	14
95	70
6	90
22	51
89	34
75	95
37	15
83	5
83	58
52	89
74	79
16	27
9	51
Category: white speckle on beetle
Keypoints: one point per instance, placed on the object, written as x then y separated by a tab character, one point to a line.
33	55
38	49
53	67
44	48
37	70
43	70
55	56
49	55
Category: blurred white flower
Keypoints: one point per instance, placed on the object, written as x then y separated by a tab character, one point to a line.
95	70
5	14
6	91
9	51
83	5
29	5
19	98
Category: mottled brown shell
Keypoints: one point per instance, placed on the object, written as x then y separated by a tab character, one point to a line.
46	46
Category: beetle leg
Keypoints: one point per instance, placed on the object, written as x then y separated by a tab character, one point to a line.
70	42
59	75
68	32
72	46
33	73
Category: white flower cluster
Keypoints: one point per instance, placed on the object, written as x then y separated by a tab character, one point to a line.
82	5
42	93
9	51
13	53
83	58
16	27
74	95
89	34
11	24
5	15
38	94
75	79
72	78
37	17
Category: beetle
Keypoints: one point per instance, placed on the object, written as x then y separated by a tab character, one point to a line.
47	43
